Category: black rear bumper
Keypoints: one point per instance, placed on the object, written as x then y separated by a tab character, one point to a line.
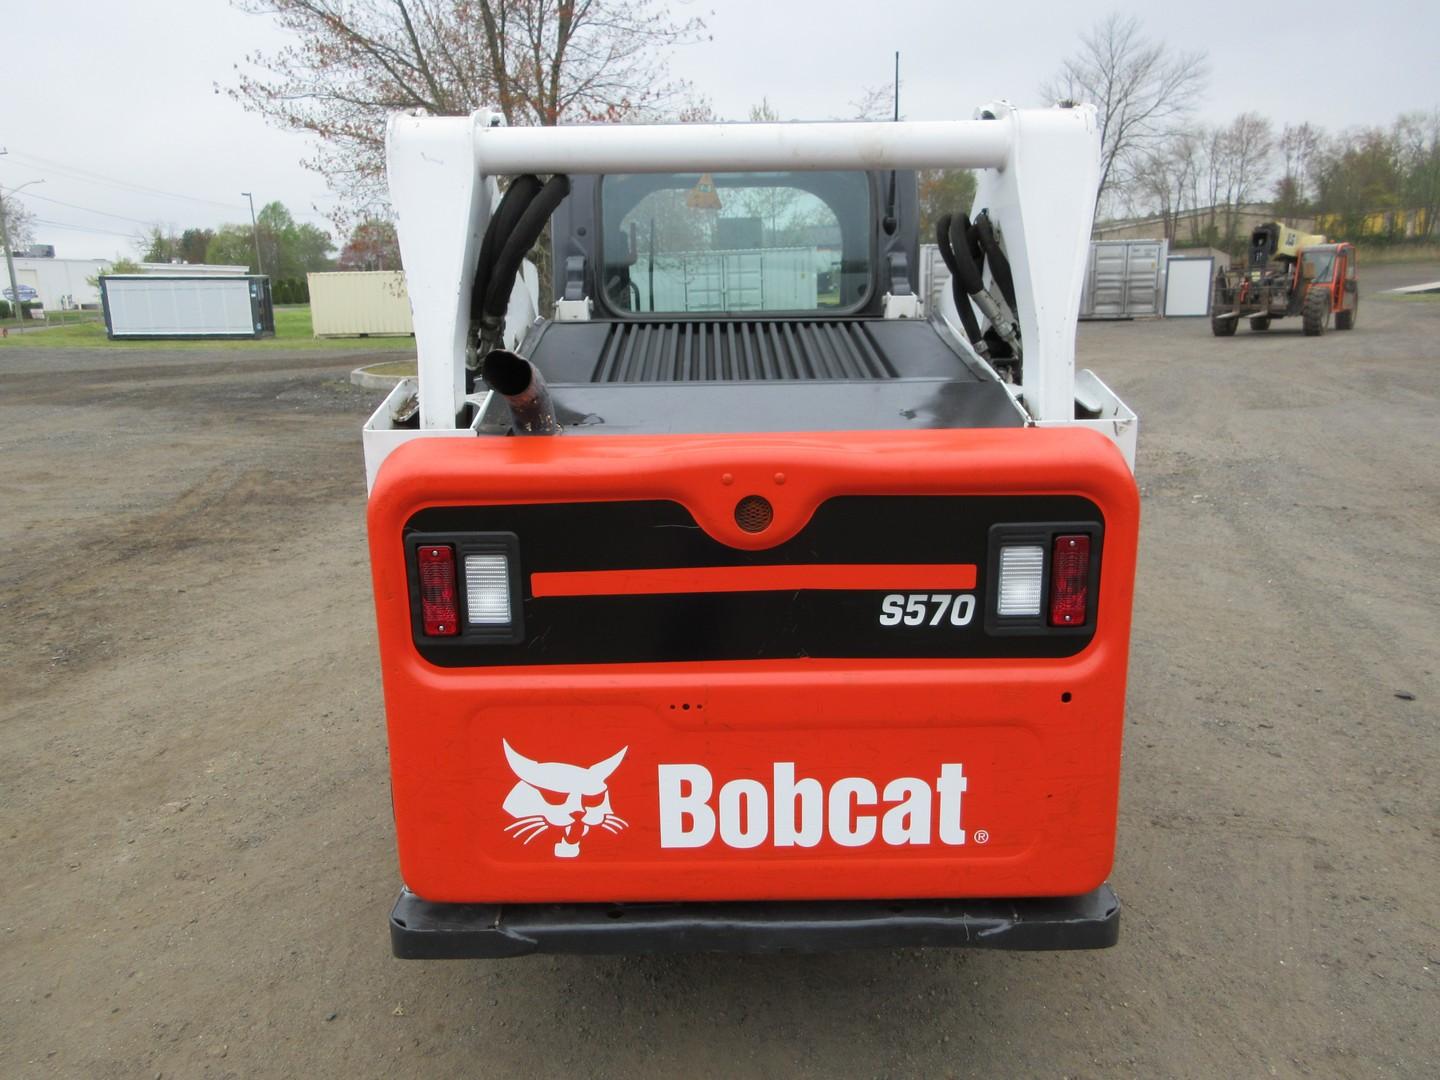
421	930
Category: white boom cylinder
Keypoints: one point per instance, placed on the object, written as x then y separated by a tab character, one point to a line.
633	148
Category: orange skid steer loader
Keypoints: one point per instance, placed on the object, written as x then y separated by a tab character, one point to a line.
749	600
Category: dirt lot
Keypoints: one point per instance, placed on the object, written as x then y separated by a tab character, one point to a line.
193	799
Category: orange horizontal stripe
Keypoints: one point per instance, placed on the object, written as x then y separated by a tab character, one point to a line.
891	577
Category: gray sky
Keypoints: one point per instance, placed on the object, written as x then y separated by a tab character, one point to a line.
117	97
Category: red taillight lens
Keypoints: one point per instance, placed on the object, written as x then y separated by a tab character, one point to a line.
439	610
1069	580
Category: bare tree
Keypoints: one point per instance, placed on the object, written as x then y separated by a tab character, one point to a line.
874	103
19	222
1248	144
1141	89
1213	183
1164	178
351	63
1299	146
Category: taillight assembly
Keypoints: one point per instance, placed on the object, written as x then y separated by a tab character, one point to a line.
1043	577
1069	580
439	591
465	587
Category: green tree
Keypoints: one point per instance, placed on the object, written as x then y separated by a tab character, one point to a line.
160	245
193	243
121	265
373	245
1418	135
1360	175
231	245
943	191
287	250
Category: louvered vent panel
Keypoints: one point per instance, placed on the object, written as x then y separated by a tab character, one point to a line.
739	351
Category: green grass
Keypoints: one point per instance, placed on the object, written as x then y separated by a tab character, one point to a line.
53	318
1384	254
292	331
1408	298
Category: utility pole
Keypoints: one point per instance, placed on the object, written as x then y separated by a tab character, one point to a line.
255	232
9	248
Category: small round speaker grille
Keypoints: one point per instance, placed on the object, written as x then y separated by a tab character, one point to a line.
754	513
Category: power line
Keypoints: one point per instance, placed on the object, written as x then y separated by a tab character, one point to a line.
89	209
311	216
86	176
82	228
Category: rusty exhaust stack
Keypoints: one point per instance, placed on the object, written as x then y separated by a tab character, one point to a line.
518	381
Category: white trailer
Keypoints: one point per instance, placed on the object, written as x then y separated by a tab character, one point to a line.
182	306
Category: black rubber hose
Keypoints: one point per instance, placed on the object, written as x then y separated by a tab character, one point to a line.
942	241
962	301
517	197
999	264
977	253
521	240
966	269
966	312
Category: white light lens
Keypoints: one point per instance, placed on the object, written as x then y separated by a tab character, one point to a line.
1021	568
487	590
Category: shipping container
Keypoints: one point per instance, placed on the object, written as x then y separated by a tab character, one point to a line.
370	303
186	306
1124	279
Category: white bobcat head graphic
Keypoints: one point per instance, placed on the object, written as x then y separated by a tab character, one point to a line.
554	795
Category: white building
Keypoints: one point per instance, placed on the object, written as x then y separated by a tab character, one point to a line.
62	283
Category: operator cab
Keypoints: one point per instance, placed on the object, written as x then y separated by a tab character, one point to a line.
773	284
1318	263
742	245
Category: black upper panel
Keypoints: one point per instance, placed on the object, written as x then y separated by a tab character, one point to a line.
750	625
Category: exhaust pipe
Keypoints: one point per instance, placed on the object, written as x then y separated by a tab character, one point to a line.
518	381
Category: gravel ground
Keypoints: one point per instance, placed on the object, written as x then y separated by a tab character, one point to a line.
193	786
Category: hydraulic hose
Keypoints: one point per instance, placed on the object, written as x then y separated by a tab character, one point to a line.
521	239
967	269
957	291
1000	314
517	197
999	263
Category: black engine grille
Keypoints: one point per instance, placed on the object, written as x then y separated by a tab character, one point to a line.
693	351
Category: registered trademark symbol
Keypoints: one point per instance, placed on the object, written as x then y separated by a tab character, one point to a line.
981	836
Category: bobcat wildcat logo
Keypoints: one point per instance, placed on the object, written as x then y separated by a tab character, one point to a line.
554	795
